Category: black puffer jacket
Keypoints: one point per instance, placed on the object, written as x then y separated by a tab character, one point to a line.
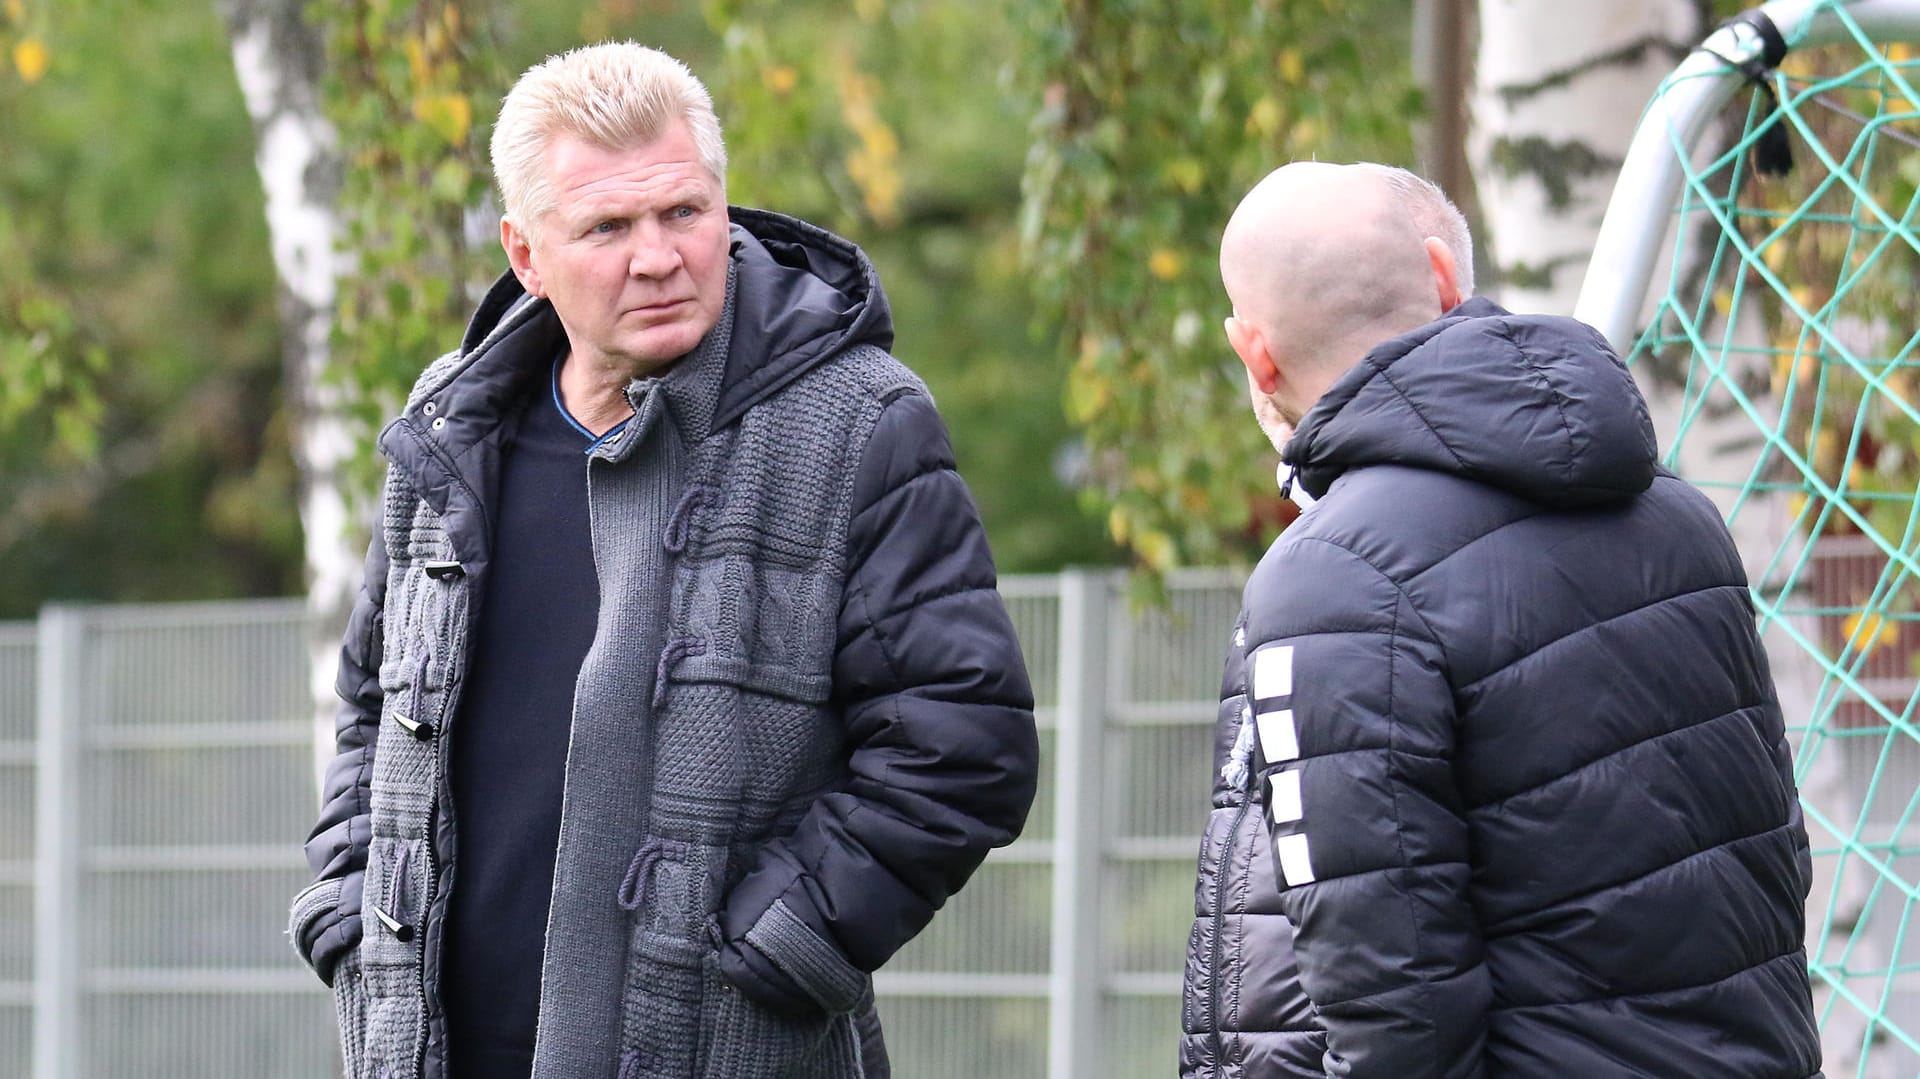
1533	805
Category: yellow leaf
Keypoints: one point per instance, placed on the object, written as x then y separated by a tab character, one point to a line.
1117	525
1186	173
1292	67
1783	363
449	115
1087	396
1165	264
781	79
869	10
1264	118
417	61
17	10
1826	448
1866	632
1156	547
30	59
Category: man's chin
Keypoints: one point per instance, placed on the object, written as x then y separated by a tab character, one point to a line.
1277	429
661	345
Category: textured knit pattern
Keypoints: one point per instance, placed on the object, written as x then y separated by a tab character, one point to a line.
802	724
632	487
1528	781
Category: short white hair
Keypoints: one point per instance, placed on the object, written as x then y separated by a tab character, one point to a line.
1433	215
615	96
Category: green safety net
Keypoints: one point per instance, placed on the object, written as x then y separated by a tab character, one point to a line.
1781	358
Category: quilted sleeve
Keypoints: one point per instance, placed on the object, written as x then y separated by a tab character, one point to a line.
326	915
939	716
1355	741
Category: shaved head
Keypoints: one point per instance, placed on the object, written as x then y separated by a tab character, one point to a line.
1322	262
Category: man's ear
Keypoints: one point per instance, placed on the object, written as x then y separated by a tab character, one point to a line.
519	248
1250	344
1446	273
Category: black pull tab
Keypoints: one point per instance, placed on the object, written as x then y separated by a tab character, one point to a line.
441	571
424	731
401	931
1772	148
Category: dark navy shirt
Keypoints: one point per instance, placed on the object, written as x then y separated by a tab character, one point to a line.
508	743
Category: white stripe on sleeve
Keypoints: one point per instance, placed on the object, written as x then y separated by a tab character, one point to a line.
1283	796
1295	863
1273	672
1278	741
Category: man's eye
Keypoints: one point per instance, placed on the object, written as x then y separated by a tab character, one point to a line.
683	212
605	227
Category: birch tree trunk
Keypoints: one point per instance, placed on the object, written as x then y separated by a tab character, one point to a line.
1558	89
279	57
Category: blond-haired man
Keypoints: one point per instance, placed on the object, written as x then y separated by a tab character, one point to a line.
679	695
1497	697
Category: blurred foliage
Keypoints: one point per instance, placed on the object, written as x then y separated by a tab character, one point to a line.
411	87
870	120
897	125
143	453
143	438
1155	117
1837	235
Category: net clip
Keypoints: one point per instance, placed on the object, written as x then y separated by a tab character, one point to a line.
1755	50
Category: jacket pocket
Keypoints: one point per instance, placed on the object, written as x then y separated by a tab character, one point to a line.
317	901
815	965
350	1008
743	1040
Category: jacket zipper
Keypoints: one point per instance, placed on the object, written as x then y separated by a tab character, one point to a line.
1220	925
453	677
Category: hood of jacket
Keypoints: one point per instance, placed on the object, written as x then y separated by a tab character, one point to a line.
1532	404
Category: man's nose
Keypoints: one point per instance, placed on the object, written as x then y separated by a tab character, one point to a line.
654	255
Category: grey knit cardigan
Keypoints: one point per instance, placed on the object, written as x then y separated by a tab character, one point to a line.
802	723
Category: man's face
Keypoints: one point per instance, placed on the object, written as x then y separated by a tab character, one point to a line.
633	255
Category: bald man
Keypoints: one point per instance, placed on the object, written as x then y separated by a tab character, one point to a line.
1497	697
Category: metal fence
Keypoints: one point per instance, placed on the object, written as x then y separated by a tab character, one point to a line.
157	777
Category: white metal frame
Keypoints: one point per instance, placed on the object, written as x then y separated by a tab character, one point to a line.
1635	226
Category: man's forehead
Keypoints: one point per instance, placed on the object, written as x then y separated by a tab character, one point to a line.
582	171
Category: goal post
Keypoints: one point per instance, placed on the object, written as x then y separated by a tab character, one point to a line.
1771	312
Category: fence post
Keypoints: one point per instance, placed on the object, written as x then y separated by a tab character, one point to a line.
1078	987
56	846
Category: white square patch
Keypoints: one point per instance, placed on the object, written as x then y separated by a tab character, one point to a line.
1278	741
1296	865
1273	673
1283	796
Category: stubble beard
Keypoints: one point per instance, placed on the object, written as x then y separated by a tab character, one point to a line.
1273	422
